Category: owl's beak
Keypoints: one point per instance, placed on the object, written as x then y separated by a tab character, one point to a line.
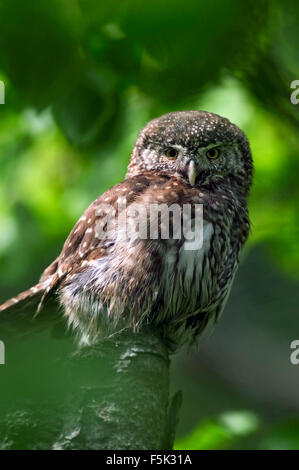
191	172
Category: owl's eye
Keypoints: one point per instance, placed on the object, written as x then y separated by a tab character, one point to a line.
172	153
213	153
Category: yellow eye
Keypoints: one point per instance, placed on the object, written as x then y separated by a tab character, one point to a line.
213	153
172	153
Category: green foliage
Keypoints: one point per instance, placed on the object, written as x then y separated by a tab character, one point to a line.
221	433
101	70
241	430
82	77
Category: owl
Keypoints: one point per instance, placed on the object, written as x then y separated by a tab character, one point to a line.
108	280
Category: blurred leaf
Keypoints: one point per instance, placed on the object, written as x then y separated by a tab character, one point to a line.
219	434
41	43
87	111
284	436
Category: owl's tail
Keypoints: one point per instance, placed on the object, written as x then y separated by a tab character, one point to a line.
30	297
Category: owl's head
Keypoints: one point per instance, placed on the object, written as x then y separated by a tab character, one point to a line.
198	145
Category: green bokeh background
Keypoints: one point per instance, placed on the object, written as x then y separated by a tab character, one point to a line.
82	77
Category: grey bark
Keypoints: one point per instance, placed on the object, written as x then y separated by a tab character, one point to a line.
127	406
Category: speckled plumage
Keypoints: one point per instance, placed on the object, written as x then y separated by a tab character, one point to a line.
106	285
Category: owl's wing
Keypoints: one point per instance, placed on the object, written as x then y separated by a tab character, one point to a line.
83	242
87	240
28	298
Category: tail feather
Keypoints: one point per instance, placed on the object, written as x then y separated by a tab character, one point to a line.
30	297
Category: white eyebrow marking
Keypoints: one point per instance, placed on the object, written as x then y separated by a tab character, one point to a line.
177	146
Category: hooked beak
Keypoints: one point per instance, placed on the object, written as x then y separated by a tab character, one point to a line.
191	172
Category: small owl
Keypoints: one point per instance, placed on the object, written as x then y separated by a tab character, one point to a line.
108	280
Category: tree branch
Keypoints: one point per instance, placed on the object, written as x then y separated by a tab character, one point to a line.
121	396
112	396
